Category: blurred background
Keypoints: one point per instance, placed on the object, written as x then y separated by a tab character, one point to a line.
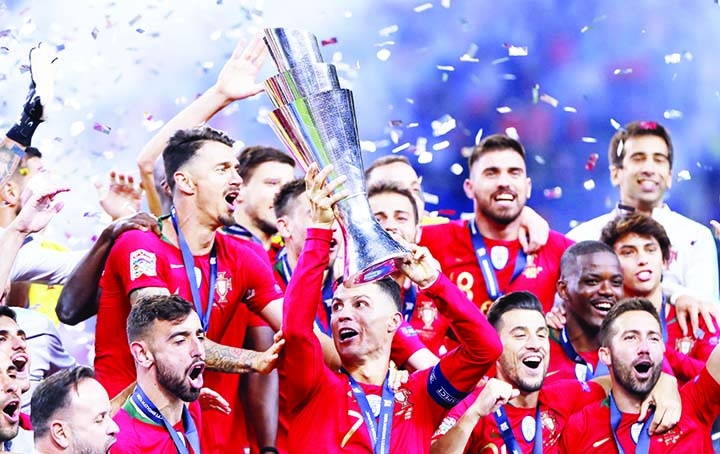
429	79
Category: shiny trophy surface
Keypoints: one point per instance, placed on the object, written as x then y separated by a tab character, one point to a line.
315	119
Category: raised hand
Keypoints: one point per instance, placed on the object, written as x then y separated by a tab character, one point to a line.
237	78
121	197
266	361
421	267
494	394
322	195
39	207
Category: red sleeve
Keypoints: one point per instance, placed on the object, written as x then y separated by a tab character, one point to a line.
456	413
136	264
683	366
480	345
303	353
703	347
404	344
569	439
703	395
261	285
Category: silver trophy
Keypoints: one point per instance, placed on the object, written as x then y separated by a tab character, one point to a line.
315	119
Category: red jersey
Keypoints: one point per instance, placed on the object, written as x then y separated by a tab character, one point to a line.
430	324
325	415
140	259
558	401
561	367
589	431
140	435
451	244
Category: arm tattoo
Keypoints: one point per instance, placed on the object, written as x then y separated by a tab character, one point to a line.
230	360
10	157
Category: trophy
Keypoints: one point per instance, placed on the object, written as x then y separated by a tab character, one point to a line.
315	120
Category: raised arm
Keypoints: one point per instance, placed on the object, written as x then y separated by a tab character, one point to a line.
236	81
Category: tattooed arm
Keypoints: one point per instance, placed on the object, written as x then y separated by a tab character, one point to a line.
11	153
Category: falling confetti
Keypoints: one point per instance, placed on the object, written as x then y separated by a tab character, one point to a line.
383	54
549	100
504	109
516	51
441	145
512	133
478	136
615	124
535	93
618	71
589	185
402	147
553	193
134	20
684	175
396	123
570	109
327	42
442	125
95	32
592	161
589	139
539	159
673	59
445	67
368	145
469	55
672	114
102	128
389	30
456	169
425	157
423	7
497	61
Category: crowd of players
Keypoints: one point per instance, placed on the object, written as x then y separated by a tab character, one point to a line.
223	326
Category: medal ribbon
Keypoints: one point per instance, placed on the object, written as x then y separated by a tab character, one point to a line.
503	424
243	232
145	405
380	430
189	262
643	443
663	321
486	266
575	357
410	299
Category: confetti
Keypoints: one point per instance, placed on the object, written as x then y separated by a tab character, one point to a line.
394	123
383	54
672	114
478	136
684	175
389	30
368	145
497	61
456	169
512	133
516	51
549	100
140	30
101	128
589	185
423	7
445	3
442	125
553	193
615	124
469	55
592	161
425	157
413	125
509	76
570	109
504	109
134	20
95	32
622	71
595	21
589	139
536	93
441	145
445	67
402	147
673	59
539	159
395	135
327	42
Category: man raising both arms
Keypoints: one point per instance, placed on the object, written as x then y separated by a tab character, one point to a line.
365	415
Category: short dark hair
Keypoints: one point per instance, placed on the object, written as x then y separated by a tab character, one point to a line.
53	395
385	187
569	258
386	160
616	150
515	300
183	145
5	311
388	286
495	142
250	159
626	305
640	224
32	152
287	195
145	311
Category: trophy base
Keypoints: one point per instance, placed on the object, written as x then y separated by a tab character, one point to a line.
375	272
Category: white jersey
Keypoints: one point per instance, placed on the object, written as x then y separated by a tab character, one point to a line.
693	267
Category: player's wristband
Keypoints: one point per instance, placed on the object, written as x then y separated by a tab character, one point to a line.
31	117
268	450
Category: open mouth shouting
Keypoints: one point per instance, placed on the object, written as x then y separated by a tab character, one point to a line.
11	411
346	334
195	374
643	368
20	361
231	198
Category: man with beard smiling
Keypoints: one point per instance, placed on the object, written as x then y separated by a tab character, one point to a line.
168	344
9	403
483	256
632	349
71	414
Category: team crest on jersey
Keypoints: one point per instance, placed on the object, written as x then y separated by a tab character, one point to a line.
142	262
550	424
684	344
223	285
531	269
428	314
499	256
402	398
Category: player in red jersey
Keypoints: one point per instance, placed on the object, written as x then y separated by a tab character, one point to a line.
591	283
643	247
484	256
394	208
632	348
167	342
336	411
